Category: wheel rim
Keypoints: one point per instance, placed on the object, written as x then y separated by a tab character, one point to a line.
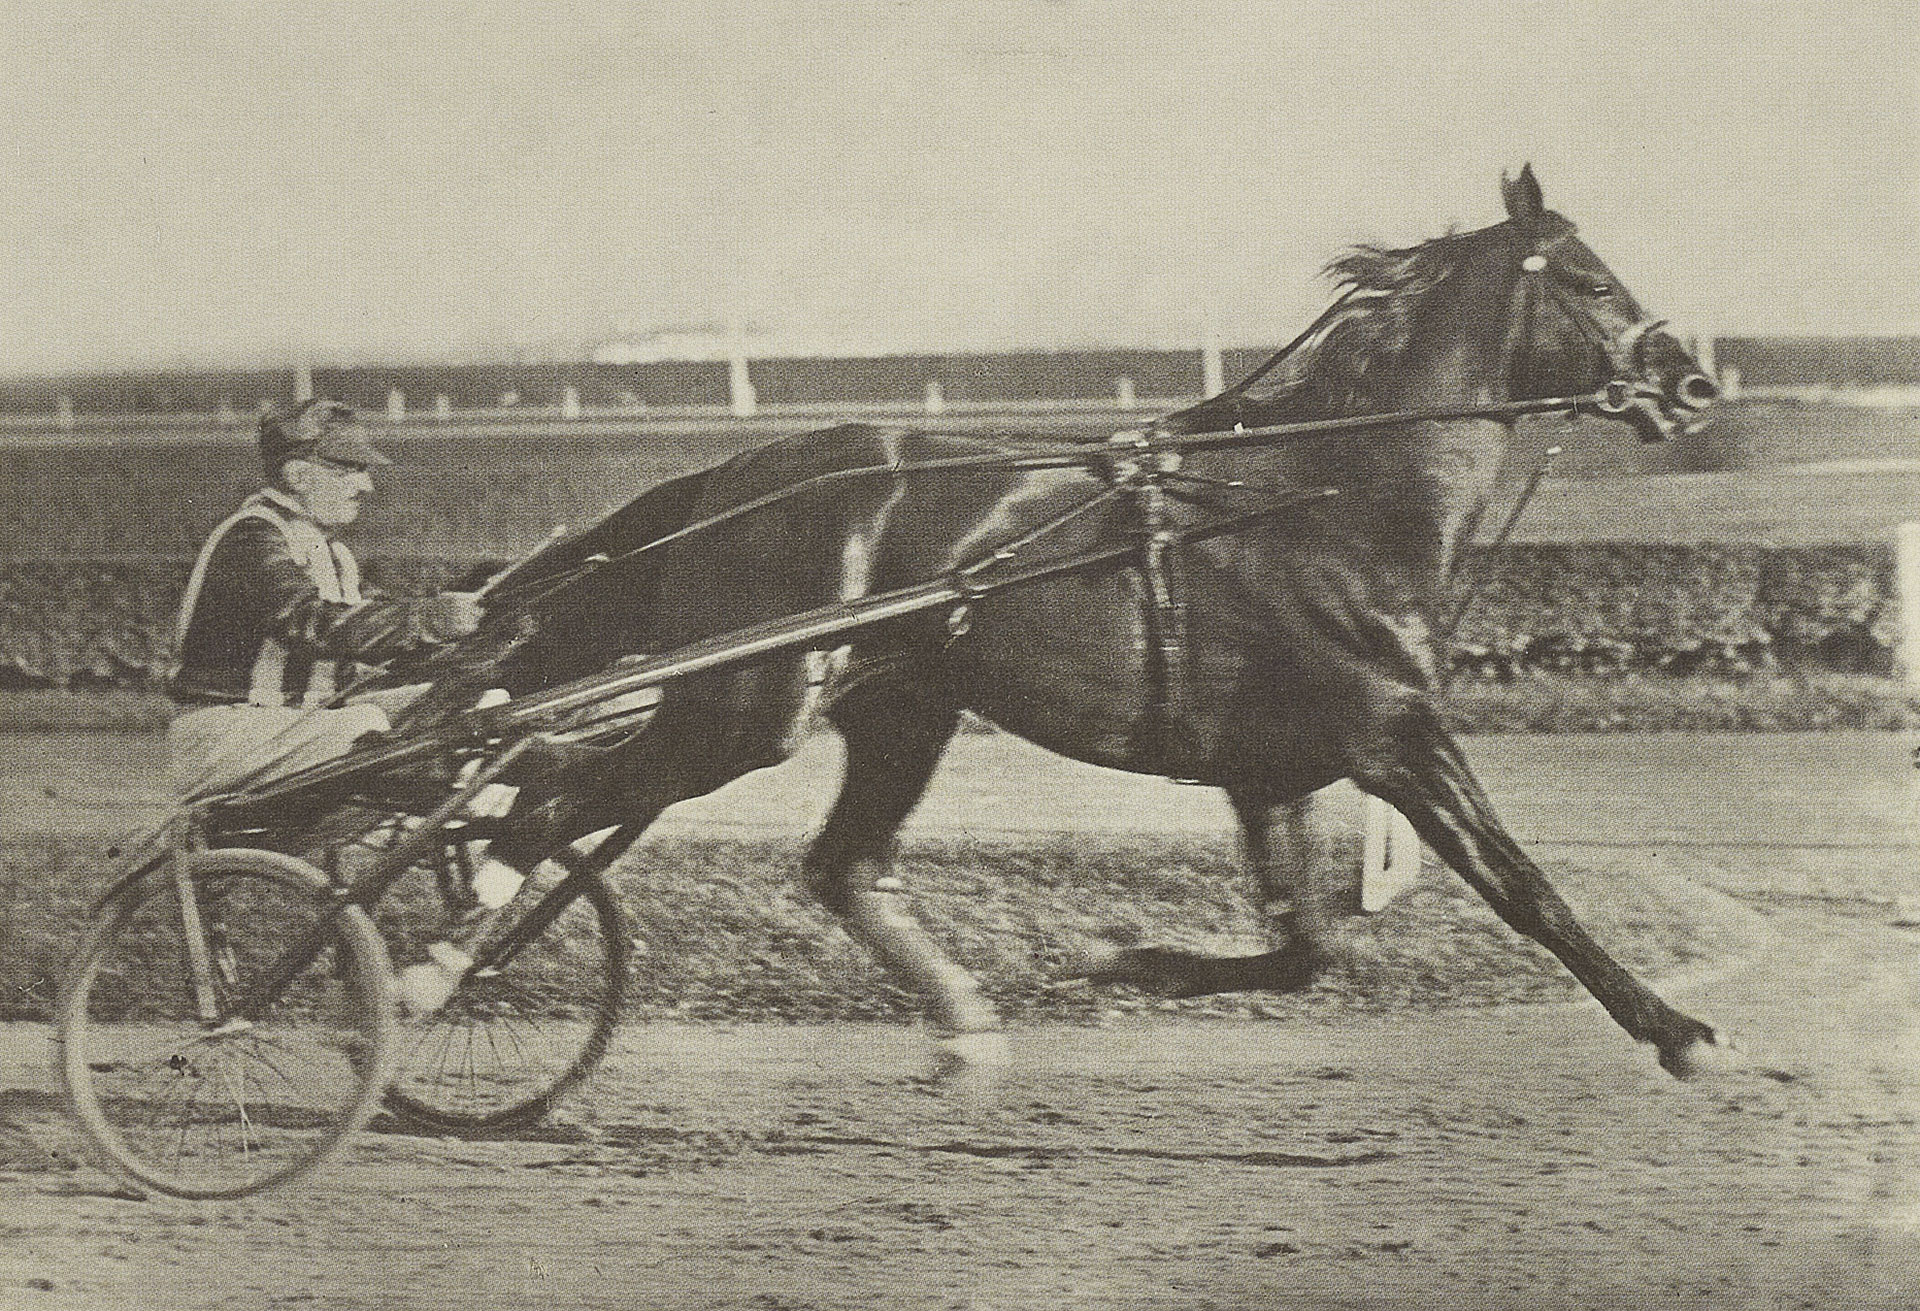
226	1108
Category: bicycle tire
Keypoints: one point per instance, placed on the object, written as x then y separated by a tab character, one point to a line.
171	1103
514	1039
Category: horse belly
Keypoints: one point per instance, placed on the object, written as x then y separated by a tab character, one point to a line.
1069	665
1062	664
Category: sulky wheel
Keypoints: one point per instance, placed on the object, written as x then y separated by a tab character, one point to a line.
531	1019
188	1071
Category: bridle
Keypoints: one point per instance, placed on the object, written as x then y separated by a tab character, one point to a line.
1622	355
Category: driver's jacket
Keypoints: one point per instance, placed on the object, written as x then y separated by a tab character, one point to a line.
273	614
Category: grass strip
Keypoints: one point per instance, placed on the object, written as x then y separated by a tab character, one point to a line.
1530	703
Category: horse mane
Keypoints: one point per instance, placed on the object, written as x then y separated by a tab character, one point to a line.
1325	370
1384	290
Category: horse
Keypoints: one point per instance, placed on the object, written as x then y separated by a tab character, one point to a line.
1268	662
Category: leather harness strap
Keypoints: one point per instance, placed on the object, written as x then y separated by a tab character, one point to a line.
1168	669
1163	611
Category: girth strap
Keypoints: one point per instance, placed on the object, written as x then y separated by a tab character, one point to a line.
1164	611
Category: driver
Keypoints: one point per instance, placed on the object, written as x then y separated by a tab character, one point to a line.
274	621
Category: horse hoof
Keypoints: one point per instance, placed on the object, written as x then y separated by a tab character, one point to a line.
969	1065
1716	1053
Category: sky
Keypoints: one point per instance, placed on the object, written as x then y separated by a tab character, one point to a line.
220	183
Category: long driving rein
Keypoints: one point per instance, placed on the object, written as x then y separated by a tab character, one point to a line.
1139	458
1137	464
1149	451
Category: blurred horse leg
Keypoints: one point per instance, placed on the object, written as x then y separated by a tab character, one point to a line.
894	738
1411	762
1289	850
628	788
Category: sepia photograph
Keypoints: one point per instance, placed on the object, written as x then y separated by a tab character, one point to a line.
960	655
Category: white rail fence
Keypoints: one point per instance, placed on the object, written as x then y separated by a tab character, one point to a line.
933	396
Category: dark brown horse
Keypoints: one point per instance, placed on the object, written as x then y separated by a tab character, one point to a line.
1268	662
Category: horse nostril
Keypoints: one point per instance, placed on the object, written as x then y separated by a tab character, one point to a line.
1697	389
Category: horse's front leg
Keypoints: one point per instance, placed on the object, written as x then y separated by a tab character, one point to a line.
893	746
1410	761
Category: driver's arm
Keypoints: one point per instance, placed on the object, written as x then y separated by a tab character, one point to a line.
265	578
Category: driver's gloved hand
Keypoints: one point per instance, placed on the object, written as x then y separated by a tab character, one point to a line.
449	615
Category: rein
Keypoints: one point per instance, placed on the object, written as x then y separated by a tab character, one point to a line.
837	620
1286	352
1479	578
1611	399
1152	455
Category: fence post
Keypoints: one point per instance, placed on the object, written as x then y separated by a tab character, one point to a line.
303	382
443	407
396	405
1906	591
570	403
63	413
936	397
1389	854
740	394
225	416
1213	373
1906	595
1123	393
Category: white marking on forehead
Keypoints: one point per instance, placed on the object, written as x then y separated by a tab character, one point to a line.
1534	263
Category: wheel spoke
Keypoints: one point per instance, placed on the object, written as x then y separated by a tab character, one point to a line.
519	1032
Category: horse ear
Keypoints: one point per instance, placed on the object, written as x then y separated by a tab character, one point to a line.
1522	194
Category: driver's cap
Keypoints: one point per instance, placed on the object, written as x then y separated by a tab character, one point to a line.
326	429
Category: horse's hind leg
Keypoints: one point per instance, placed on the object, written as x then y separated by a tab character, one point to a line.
1289	849
1412	763
894	740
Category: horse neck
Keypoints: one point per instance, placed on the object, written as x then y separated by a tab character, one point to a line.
1415	490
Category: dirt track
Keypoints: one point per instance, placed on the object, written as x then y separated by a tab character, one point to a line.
1525	1157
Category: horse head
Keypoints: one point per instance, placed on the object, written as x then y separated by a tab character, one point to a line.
1575	326
1522	310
